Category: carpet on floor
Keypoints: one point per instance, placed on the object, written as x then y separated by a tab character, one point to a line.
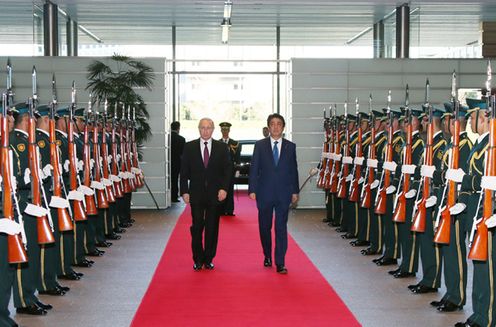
240	291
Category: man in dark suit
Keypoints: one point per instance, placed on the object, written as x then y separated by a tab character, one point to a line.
205	176
233	146
274	185
177	146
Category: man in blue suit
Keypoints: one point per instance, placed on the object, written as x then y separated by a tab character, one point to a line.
274	185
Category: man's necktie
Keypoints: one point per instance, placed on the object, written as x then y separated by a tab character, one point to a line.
205	155
275	153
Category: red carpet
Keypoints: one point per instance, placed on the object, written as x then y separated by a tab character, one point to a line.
239	291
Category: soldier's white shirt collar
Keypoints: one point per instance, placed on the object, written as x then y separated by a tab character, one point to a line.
435	134
463	132
353	134
482	137
415	133
21	131
43	131
379	134
62	132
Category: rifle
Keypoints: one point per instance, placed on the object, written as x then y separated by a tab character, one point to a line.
357	169
479	248
105	164
78	205
115	168
331	148
89	196
418	222
343	173
381	196
136	168
443	219
127	126
64	219
325	150
399	215
16	248
336	169
45	235
101	197
366	196
124	171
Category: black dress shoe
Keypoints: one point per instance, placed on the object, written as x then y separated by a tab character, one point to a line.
113	236
326	220
209	266
449	307
33	309
104	244
422	289
132	221
466	324
376	260
65	288
119	230
125	225
83	264
267	262
368	251
78	273
387	262
359	243
70	276
282	270
348	236
404	274
44	306
437	303
95	253
394	272
334	224
197	266
413	286
340	230
56	292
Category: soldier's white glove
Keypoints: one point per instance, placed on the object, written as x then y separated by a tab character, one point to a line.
391	189
491	221
488	183
35	210
92	163
75	195
347	160
360	181
41	174
390	165
374	184
58	202
337	157
455	175
109	158
118	157
427	171
411	194
9	226
115	178
27	174
80	165
106	182
97	185
47	170
136	171
457	209
431	201
408	169
349	178
86	190
66	166
372	163
358	161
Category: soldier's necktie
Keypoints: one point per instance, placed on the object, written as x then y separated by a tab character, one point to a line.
275	153
205	155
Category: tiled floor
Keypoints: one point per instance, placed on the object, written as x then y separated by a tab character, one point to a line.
110	292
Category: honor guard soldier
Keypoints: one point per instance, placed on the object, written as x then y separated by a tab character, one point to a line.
425	213
470	196
407	191
51	254
385	197
7	227
454	251
234	152
337	203
27	274
73	242
375	227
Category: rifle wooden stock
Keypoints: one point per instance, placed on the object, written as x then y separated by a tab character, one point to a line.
139	178
330	162
16	252
337	164
115	168
479	251
126	184
366	200
45	235
79	211
323	161
101	197
418	224
354	186
381	201
399	215
341	192
106	173
89	199
132	181
443	232
64	219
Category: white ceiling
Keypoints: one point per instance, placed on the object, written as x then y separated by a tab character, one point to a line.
434	23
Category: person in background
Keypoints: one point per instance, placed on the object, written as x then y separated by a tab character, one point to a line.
228	205
177	146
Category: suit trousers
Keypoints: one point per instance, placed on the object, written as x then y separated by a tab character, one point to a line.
265	217
6	282
205	223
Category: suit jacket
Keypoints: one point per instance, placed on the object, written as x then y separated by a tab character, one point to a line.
177	147
203	184
270	182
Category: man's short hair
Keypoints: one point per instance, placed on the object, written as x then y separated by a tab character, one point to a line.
175	125
276	116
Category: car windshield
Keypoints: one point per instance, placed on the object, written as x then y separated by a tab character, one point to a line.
247	149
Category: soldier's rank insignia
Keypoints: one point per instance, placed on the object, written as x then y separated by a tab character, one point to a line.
397	148
21	147
59	142
41	143
440	155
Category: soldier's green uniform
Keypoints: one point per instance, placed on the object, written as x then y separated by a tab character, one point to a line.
454	254
391	243
337	203
111	218
349	209
407	239
375	231
430	252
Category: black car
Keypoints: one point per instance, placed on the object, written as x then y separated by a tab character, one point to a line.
243	166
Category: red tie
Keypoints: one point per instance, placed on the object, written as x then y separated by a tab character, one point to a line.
205	155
